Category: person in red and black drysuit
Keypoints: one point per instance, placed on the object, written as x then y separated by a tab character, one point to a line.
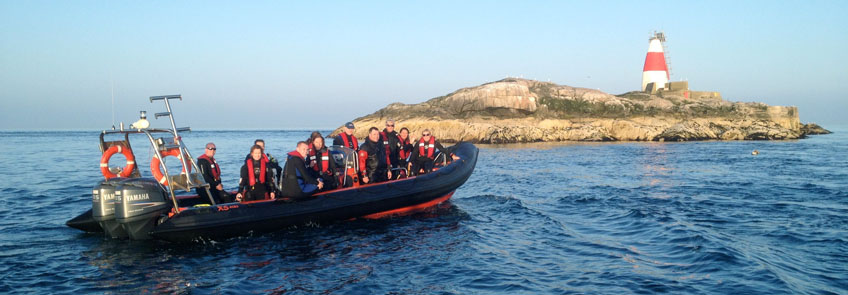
424	153
321	163
346	137
271	161
256	182
389	137
212	175
404	147
312	137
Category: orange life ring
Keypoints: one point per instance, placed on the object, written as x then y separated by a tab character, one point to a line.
156	169
104	161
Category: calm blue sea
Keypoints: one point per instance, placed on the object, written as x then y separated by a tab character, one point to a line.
607	218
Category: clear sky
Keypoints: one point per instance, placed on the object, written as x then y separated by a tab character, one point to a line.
318	64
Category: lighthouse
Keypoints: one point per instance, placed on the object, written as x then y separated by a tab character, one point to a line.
656	69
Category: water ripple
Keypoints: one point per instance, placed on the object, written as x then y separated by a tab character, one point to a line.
620	218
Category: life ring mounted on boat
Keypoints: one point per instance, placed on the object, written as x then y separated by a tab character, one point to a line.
104	161
156	168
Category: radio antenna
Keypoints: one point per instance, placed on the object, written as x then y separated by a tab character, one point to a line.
112	83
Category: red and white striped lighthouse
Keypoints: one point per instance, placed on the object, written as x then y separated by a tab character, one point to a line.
655	70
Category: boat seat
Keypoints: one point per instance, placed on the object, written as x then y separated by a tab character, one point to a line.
166	144
180	181
397	175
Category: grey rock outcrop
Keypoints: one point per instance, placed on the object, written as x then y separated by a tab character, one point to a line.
519	110
813	129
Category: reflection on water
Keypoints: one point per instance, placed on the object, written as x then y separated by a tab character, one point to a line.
655	173
311	259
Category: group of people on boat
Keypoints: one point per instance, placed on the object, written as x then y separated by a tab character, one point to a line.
310	168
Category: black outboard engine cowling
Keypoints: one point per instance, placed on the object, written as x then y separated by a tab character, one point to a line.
103	207
139	203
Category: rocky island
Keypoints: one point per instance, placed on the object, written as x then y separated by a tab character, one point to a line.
518	110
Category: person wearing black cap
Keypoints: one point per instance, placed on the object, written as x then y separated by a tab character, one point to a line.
346	137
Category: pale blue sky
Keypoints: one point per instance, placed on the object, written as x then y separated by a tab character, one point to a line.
313	64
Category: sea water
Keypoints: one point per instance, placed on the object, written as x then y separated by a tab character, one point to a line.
598	218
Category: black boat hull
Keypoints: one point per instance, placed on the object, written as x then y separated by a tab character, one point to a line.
85	222
227	220
234	219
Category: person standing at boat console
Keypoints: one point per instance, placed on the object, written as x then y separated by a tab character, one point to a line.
298	182
212	175
376	159
256	181
346	137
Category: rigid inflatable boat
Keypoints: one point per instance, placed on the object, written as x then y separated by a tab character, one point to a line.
127	205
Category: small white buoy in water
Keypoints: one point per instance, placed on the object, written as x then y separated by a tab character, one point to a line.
755	152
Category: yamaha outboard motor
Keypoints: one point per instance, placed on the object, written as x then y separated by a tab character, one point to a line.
103	207
139	203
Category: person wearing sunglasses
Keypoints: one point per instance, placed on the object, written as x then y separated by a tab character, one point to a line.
424	154
390	140
212	175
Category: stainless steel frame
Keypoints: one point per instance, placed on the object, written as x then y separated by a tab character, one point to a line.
192	180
